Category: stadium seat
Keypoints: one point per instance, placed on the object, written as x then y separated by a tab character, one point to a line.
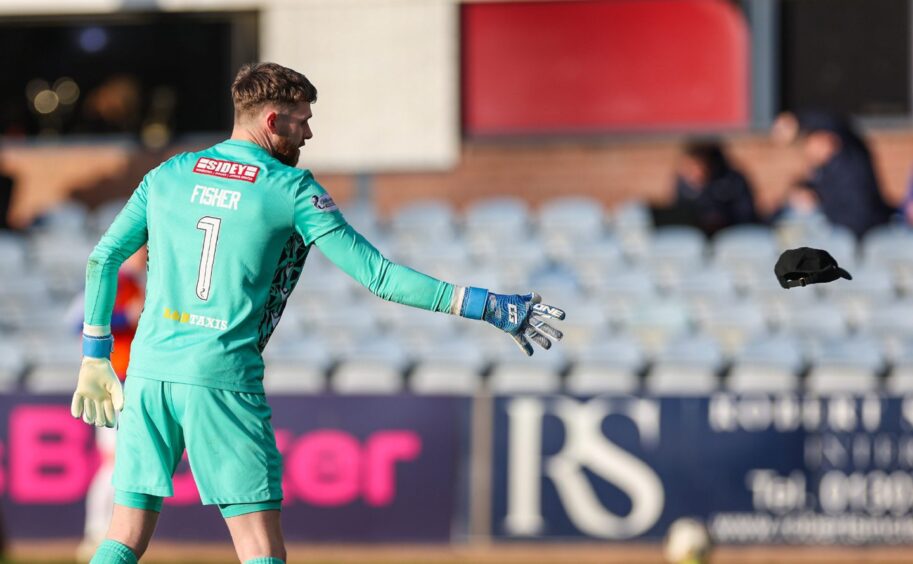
655	321
360	376
511	260
885	243
893	318
594	261
741	248
565	223
363	216
586	322
814	322
847	351
889	248
900	380
831	379
500	348
589	378
372	364
491	224
686	365
609	365
348	323
419	224
54	360
844	364
62	257
416	328
767	364
621	291
69	217
555	280
12	363
732	323
103	216
857	297
448	260
296	363
743	242
619	350
777	303
897	349
53	376
773	350
691	350
674	251
703	289
457	350
12	313
796	229
445	378
751	378
681	380
519	377
12	253
632	225
287	377
839	241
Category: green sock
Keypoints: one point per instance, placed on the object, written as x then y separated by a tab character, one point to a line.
264	560
113	552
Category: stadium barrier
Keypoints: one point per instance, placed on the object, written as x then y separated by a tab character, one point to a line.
758	469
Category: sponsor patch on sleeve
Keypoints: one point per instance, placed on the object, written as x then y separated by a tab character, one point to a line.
226	169
324	203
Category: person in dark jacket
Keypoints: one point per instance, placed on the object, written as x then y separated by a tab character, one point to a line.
841	181
709	191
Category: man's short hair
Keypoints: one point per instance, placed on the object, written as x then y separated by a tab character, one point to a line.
262	83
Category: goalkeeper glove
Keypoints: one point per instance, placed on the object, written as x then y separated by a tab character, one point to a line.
522	317
98	392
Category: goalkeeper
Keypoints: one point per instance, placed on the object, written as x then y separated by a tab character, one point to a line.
228	232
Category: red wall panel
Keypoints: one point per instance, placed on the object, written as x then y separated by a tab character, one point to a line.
603	65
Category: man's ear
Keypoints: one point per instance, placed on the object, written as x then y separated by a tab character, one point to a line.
271	118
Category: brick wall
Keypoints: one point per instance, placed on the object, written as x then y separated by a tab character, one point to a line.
615	171
609	170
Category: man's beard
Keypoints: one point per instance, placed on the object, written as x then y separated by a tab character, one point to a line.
287	153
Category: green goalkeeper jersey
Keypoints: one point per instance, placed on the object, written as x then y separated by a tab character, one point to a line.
228	231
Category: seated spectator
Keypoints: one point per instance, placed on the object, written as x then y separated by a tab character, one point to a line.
709	193
840	180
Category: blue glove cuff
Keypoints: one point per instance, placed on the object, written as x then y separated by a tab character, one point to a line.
474	303
97	347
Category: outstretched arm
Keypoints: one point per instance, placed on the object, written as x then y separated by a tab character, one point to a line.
523	317
347	249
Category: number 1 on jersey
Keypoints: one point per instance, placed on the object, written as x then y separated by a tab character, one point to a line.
210	227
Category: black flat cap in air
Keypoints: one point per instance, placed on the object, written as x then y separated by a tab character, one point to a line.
803	266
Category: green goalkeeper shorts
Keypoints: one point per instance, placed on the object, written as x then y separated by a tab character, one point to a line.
228	436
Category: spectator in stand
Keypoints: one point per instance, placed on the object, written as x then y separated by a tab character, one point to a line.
709	192
840	180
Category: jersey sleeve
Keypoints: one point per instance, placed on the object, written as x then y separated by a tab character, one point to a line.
315	212
351	252
126	235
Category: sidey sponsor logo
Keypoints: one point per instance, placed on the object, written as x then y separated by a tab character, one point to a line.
226	169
